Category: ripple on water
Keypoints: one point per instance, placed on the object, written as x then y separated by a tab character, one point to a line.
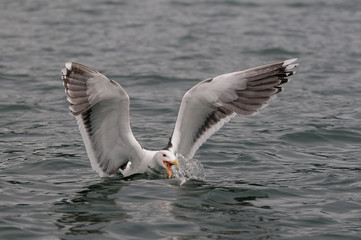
338	136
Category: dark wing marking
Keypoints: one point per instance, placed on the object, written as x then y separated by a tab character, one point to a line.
211	103
101	107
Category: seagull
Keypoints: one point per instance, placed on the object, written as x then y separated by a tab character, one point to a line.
101	108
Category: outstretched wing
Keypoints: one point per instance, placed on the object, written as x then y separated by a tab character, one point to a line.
206	107
101	107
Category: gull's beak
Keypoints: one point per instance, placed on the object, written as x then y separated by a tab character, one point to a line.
168	165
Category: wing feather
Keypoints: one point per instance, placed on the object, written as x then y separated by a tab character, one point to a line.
101	107
206	107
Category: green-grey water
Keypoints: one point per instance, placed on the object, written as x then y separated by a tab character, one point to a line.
291	172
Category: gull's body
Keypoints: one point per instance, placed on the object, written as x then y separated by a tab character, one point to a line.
101	107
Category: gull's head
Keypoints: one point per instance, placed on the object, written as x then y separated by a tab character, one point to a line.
166	159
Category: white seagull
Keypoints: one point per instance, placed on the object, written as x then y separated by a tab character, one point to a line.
101	108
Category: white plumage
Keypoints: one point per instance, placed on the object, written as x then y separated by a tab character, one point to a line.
101	107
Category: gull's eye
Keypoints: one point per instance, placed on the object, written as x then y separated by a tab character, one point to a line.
164	155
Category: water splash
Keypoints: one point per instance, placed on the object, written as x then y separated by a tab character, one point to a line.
188	169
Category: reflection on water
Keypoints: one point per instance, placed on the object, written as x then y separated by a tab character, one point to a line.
225	211
194	209
91	210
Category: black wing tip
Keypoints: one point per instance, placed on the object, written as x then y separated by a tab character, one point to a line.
77	68
65	72
289	65
289	61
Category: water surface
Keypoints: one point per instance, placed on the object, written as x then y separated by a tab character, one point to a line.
291	172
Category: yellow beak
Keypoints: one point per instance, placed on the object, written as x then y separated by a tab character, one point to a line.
168	165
